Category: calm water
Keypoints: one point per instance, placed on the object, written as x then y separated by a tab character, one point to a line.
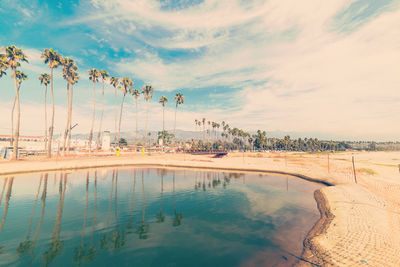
154	217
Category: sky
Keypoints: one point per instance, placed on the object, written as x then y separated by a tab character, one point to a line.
325	68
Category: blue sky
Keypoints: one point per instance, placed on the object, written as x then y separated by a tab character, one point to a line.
304	66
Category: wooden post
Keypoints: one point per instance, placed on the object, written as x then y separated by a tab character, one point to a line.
354	170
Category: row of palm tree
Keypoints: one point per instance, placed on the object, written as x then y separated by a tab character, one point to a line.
14	56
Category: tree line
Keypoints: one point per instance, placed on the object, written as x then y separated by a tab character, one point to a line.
14	56
233	138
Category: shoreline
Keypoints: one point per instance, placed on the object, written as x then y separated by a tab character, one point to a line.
356	225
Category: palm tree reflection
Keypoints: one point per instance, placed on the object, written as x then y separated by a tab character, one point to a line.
160	214
56	244
25	245
44	194
5	211
143	229
129	226
178	217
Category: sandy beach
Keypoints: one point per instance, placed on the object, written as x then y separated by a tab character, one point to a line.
360	222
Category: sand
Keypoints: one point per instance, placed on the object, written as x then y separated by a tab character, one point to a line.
360	222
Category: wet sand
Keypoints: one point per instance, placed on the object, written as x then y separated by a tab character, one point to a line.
359	225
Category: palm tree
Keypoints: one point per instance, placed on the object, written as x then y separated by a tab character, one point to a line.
14	56
125	85
179	100
147	92
104	76
54	60
163	101
69	74
73	80
94	77
115	82
45	79
3	65
20	77
135	93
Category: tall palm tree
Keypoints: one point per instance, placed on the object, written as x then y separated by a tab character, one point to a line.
135	93
115	82
69	74
45	79
104	76
14	56
53	60
125	85
20	77
163	101
147	92
179	100
94	77
73	80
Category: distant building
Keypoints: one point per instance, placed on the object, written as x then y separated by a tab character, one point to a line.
25	142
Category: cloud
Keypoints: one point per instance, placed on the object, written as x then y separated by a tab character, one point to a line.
295	66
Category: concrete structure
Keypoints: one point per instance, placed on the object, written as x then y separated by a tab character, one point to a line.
106	141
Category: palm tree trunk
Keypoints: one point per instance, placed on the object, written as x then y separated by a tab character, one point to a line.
176	108
163	119
147	118
120	117
163	127
93	116
12	122
101	119
52	116
45	118
66	127
15	151
115	118
70	119
136	119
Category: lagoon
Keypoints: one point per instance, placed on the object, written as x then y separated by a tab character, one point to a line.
154	217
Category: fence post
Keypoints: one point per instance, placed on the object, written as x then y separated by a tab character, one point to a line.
354	170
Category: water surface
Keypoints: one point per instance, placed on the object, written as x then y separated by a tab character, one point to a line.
154	217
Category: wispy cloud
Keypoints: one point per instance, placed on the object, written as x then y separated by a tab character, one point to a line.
295	66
